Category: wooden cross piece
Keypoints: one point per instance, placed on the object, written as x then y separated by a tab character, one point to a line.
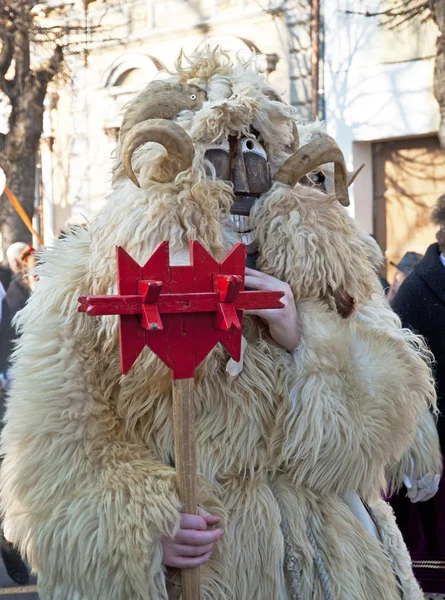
181	313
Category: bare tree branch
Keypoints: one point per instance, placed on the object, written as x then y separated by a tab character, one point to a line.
34	29
396	13
399	12
7	52
47	72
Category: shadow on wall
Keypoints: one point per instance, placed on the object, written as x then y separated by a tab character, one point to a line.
409	177
372	79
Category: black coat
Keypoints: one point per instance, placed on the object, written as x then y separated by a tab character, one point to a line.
6	337
420	303
17	294
16	297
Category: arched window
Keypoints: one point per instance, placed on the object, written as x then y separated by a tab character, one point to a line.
125	78
131	78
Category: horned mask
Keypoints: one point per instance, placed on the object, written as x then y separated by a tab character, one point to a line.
224	123
238	156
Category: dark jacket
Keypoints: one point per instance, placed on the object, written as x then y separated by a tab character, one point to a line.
17	294
16	297
6	276
6	337
420	303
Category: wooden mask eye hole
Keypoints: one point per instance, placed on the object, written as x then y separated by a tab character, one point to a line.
319	178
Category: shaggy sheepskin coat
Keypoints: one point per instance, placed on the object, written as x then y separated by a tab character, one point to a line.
87	483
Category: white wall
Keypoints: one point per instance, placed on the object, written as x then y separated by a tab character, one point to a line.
155	32
378	85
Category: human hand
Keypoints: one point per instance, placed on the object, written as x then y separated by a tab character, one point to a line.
284	323
423	489
193	543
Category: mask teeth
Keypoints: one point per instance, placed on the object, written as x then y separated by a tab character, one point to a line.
247	238
240	223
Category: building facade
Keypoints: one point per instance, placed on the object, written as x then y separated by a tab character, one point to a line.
126	45
381	109
375	94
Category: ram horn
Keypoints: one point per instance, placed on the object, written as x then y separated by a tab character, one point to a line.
177	143
312	155
296	141
161	100
352	175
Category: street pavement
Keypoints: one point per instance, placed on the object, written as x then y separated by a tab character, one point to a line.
9	590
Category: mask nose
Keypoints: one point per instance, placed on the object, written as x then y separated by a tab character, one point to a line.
238	173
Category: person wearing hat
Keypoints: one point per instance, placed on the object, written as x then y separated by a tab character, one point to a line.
420	303
404	268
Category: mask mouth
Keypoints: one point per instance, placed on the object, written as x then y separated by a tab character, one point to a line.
243	205
242	226
241	223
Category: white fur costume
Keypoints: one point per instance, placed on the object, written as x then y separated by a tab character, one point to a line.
87	489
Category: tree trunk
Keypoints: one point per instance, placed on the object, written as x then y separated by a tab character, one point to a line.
26	92
21	181
439	68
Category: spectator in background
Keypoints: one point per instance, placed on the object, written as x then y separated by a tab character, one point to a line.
404	268
19	289
13	256
376	259
29	263
14	564
420	303
5	328
15	298
5	279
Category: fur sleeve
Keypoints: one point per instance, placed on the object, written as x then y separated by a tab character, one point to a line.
86	506
422	457
361	385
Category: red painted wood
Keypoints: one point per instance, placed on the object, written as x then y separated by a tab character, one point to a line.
132	341
151	319
176	303
157	266
149	290
204	268
131	335
181	340
110	305
234	264
226	317
180	312
128	273
228	286
257	300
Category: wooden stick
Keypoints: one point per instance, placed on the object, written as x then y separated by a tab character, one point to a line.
22	214
185	459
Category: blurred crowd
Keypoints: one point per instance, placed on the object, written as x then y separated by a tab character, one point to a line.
16	284
417	295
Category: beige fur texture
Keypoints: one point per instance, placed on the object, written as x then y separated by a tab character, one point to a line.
422	457
86	485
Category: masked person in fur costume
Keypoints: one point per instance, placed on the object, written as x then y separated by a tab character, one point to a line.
293	443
